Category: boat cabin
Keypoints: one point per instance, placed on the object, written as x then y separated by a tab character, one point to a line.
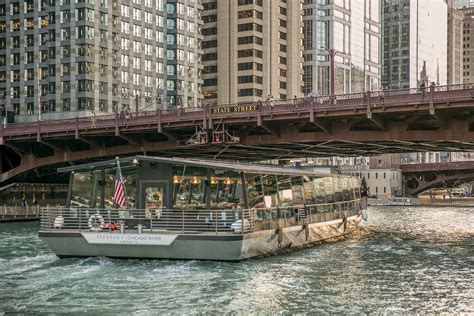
172	192
177	183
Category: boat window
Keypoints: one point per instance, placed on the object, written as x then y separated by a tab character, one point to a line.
97	184
189	187
154	197
297	189
255	191
309	192
129	174
81	189
329	189
226	189
338	187
356	187
285	195
270	190
320	190
347	191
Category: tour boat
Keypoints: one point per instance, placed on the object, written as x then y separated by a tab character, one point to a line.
177	208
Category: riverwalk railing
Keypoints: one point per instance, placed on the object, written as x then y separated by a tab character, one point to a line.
18	213
192	221
464	201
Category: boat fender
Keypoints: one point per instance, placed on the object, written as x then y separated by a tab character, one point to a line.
58	222
96	221
306	230
280	237
364	215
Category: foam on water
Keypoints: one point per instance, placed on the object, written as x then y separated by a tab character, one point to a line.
403	260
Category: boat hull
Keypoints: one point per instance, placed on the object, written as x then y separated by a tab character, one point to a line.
196	246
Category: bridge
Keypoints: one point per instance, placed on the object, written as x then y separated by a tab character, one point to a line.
421	177
433	119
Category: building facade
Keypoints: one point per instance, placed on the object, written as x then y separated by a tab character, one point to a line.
414	43
252	49
352	29
468	44
455	45
61	57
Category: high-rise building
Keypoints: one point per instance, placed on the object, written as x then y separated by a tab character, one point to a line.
62	56
252	49
468	44
352	29
414	42
455	45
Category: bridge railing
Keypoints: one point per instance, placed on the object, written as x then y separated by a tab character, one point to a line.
387	98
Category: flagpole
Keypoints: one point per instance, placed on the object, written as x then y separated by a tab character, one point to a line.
117	159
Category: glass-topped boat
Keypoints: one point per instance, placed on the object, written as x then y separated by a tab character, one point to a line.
175	208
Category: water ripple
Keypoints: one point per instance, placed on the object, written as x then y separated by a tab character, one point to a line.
404	260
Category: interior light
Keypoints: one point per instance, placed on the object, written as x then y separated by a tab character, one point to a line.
213	180
135	161
195	180
228	181
176	180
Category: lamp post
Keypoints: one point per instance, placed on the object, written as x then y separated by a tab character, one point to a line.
332	71
136	104
3	109
39	91
158	100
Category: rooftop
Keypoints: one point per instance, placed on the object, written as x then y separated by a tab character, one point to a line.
217	164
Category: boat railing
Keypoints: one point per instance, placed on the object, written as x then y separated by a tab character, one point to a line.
192	221
185	221
291	215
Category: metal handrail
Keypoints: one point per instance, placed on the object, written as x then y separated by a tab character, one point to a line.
185	221
189	221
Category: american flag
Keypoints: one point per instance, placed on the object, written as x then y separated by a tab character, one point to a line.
119	191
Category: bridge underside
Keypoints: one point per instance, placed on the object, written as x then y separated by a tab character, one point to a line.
418	183
248	138
421	177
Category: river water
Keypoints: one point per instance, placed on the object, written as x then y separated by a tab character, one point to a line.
405	260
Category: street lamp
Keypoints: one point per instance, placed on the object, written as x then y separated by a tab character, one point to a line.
39	91
158	100
332	71
3	109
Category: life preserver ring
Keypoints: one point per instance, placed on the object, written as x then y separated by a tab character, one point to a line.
96	222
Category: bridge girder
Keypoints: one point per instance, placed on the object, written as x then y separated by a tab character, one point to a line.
349	129
422	183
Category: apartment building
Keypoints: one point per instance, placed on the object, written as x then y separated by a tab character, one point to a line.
252	49
61	58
